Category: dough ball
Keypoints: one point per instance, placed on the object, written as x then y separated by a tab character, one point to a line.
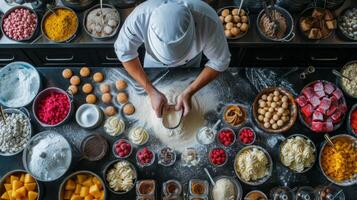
244	27
221	18
262	104
235	31
67	73
268	115
244	19
73	89
110	111
108	30
264	97
122	97
87	88
266	125
104	88
121	85
276	98
274	126
285	99
75	80
281	110
276	93
280	123
91	99
236	19
285	105
270	98
235	11
276	117
225	12
239	25
242	12
229	25
112	23
84	72
273	105
260	117
228	18
98	77
228	33
128	109
107	98
266	120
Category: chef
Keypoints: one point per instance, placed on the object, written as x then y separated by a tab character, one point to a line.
175	33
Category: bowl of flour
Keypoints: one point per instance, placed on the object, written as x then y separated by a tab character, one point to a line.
19	84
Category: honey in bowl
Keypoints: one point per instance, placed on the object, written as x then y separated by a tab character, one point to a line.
234	115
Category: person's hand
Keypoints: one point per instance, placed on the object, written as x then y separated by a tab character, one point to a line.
158	101
184	102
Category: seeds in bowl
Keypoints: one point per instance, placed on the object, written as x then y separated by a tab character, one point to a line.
20	185
234	23
273	110
83	186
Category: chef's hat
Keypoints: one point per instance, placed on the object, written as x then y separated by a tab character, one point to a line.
171	32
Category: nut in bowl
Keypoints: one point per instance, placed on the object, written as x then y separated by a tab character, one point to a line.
235	23
338	163
82	185
234	115
257	173
274	110
18	184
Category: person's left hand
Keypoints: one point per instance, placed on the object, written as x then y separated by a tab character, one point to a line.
184	102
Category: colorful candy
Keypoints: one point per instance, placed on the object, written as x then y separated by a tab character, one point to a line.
53	108
218	156
246	135
20	24
226	137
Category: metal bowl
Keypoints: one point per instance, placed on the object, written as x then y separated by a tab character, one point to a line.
292	108
24	112
289	34
346	182
339	81
18	171
311	143
238	188
340	32
307	12
109	166
115	153
9	12
270	167
336	126
69	39
9	71
85	22
215	165
79	112
45	92
226	129
61	189
349	128
230	8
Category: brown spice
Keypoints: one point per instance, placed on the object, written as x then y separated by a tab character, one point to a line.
198	188
146	188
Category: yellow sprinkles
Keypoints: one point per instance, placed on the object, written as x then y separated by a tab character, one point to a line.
62	26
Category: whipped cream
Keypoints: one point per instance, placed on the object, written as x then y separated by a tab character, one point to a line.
252	164
114	126
138	135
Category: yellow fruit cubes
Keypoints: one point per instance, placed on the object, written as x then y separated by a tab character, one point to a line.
19	185
83	186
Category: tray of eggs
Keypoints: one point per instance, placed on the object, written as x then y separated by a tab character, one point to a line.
235	23
275	110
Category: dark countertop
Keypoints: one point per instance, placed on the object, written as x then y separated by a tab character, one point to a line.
252	39
233	87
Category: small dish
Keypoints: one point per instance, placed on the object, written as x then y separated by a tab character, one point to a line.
210	156
166	156
198	187
172	188
240	136
151	160
238	186
115	152
89	116
234	115
256	195
146	188
228	139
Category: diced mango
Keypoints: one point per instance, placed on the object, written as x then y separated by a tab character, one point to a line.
88	182
81	178
5	196
30	186
22	178
32	195
8	186
13	194
94	191
29	179
76	197
9	193
84	191
16	184
67	195
96	181
102	195
21	192
88	197
78	189
70	185
13	178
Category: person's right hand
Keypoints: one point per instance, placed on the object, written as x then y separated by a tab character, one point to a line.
158	101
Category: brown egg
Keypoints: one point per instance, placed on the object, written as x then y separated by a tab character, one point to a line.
98	77
107	98
228	18
122	97
225	12
104	88
228	33
84	72
244	27
91	99
235	31
121	85
110	111
128	109
67	73
73	89
87	88
75	80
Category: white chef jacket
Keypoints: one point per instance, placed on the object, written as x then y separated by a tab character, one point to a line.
209	35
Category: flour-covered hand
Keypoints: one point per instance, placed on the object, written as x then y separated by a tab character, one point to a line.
184	102
158	101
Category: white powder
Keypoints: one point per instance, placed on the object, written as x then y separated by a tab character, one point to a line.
185	135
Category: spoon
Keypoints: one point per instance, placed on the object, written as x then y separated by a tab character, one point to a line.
275	21
329	141
339	75
216	124
101	11
209	177
240	6
49	7
2	114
